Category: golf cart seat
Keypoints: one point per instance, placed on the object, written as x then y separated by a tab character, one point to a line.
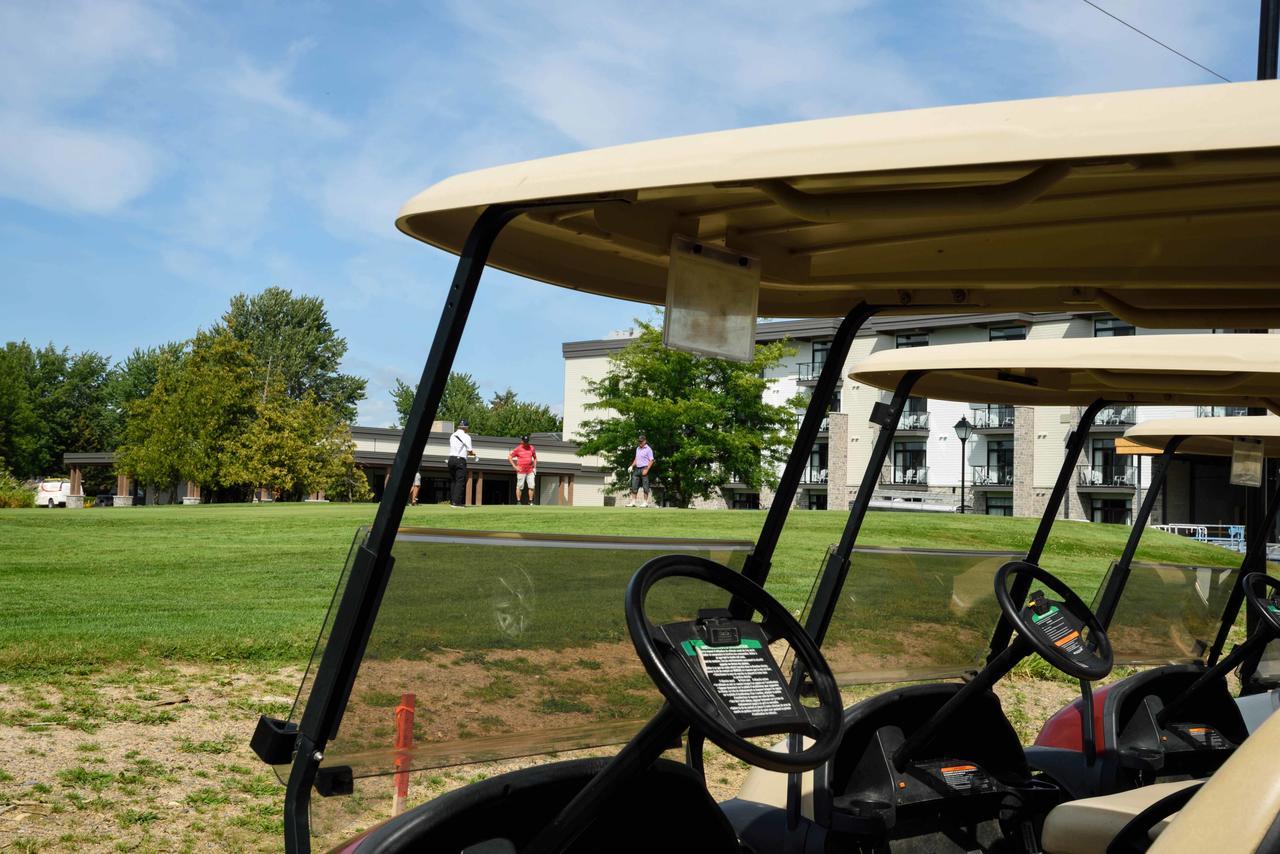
1238	809
667	808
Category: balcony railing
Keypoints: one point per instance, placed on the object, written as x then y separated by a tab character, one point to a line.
1220	411
993	418
1118	476
823	427
1116	416
897	476
807	372
913	420
813	474
993	475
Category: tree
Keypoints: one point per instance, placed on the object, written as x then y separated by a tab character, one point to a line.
295	348
461	399
705	418
20	439
183	429
505	414
132	380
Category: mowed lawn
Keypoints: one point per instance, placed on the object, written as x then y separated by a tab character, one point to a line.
227	583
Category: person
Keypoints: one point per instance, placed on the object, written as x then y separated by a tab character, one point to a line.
459	452
417	484
639	468
524	459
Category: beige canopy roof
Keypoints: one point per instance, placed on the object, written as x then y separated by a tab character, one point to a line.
1240	370
1207	436
1139	203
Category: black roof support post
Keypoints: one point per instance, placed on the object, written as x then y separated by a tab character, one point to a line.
837	567
372	566
1021	584
758	564
1120	575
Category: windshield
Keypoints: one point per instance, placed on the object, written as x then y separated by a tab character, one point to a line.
911	614
1167	613
496	645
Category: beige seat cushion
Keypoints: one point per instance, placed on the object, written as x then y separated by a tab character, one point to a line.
1087	826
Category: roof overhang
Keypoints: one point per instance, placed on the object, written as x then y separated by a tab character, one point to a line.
1161	206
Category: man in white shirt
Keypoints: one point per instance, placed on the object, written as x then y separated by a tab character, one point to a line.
459	451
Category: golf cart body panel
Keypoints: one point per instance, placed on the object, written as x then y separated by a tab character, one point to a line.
1146	204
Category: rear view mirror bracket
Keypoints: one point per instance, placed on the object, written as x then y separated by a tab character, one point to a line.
274	741
335	781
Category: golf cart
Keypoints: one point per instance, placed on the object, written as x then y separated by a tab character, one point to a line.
1177	719
938	766
1160	207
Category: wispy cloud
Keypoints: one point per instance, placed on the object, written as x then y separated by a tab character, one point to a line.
267	86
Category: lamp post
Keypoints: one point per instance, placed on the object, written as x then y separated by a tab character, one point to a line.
963	431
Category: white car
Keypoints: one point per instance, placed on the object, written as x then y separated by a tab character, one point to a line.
53	492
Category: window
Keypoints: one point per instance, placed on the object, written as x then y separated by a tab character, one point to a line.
911	339
999	505
909	463
1008	333
1115	511
817	471
835	402
745	501
820	351
817	501
1111	327
1000	461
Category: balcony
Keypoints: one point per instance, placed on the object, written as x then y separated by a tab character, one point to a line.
1107	476
813	475
1220	411
1117	417
913	421
896	476
807	372
993	419
996	477
824	426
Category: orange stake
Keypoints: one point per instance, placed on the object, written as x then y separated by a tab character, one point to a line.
404	741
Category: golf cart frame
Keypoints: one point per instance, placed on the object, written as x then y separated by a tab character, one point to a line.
1046	152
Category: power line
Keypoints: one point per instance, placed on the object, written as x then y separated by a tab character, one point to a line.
1156	40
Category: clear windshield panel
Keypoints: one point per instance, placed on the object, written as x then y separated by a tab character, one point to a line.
1167	613
911	614
489	646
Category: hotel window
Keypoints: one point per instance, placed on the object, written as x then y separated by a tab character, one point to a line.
911	339
999	505
1111	327
1007	333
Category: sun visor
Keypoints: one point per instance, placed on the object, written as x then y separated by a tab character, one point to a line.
712	297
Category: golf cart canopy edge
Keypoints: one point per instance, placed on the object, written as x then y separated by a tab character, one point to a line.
1146	204
1210	437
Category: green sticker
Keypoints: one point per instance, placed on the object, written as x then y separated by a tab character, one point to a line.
691	646
1035	618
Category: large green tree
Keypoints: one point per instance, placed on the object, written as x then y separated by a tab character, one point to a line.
504	415
296	350
706	418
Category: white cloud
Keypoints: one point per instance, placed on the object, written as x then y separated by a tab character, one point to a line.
72	169
267	87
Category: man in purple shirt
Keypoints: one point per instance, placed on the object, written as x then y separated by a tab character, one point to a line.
639	469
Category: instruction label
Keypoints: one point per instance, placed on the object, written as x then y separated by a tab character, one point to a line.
749	683
1059	632
1207	736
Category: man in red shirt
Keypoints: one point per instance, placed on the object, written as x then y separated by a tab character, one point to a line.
524	459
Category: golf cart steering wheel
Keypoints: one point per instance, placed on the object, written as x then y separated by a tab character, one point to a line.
1256	586
718	673
1055	628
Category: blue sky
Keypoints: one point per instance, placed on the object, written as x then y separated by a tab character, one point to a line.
158	158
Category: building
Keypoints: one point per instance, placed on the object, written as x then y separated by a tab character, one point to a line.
1010	463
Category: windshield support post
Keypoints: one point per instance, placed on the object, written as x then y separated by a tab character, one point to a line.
1022	584
1110	600
760	561
1255	560
837	566
371	568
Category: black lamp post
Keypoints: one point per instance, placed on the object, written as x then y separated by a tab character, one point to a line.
963	431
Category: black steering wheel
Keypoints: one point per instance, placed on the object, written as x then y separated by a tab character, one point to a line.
1256	585
718	673
1055	628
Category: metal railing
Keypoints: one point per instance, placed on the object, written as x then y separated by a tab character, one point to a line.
993	417
1117	475
896	476
914	420
813	474
1220	411
807	372
824	426
1116	416
998	475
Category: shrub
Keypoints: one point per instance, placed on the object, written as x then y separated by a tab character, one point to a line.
13	493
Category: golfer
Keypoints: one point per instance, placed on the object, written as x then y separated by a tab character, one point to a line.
524	459
459	451
639	469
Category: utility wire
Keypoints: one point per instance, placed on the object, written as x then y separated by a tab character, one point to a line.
1156	40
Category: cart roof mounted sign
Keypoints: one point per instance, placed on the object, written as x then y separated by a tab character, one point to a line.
1240	370
1160	206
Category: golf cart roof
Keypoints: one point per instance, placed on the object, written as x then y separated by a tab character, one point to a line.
1204	436
1147	204
1148	369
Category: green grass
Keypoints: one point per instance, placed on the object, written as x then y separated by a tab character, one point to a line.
81	589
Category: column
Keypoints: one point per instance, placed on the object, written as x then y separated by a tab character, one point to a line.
570	490
479	488
124	492
560	490
470	489
193	493
76	498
